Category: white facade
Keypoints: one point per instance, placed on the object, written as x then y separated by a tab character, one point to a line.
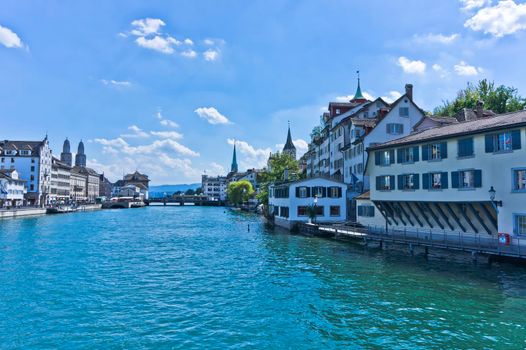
289	201
214	187
445	175
60	181
12	189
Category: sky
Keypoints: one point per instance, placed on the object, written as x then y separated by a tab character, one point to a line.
167	87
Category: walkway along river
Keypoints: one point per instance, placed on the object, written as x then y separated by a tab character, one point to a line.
195	277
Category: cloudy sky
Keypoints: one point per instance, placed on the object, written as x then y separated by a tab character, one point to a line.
166	87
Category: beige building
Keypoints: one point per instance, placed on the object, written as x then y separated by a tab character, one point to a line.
91	182
78	186
60	181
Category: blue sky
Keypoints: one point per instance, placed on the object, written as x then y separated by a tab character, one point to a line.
165	87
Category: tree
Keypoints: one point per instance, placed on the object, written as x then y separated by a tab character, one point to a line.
239	192
277	165
199	190
499	99
189	192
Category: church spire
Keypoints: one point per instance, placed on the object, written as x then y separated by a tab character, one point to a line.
289	147
233	167
358	95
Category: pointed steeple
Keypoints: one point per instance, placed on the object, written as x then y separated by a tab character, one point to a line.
358	95
233	167
289	147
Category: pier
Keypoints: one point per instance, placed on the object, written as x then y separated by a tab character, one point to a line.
475	244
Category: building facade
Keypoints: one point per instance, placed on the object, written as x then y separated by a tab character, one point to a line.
12	189
77	190
60	181
140	180
214	187
468	177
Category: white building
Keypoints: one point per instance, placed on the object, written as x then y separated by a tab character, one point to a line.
214	187
442	178
91	185
290	201
32	161
60	181
12	188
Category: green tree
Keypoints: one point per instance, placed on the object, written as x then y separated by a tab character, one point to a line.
189	192
199	190
499	99
239	192
277	165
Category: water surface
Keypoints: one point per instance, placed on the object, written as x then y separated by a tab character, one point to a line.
195	277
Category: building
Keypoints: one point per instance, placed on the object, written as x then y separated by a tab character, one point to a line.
32	161
140	180
77	183
291	201
116	189
60	181
289	147
66	156
214	187
91	177
105	186
80	157
468	177
12	189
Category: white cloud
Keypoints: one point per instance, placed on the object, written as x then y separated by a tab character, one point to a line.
505	18
435	38
136	132
212	115
158	43
165	145
440	70
147	26
174	135
216	169
251	157
210	55
347	98
208	42
116	83
166	122
189	53
10	39
465	69
188	41
468	5
392	96
411	67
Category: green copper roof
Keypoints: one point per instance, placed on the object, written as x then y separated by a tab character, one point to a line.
358	93
234	168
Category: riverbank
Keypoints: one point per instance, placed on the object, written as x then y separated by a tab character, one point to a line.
21	212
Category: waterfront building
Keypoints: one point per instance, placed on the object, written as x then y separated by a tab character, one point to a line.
251	175
105	186
66	156
289	147
291	200
116	188
12	188
80	157
32	161
60	181
78	181
91	187
468	177
140	180
214	187
132	191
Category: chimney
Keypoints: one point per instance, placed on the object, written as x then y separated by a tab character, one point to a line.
409	91
480	109
286	175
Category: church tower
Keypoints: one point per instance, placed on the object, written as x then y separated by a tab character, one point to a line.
80	157
358	96
233	167
65	156
289	147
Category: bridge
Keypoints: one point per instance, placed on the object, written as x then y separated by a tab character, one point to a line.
198	200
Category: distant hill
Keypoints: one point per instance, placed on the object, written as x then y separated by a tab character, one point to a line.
169	189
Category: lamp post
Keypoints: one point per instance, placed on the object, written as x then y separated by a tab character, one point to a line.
495	203
315	207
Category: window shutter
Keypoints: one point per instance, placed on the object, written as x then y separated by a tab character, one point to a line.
377	158
425	152
425	181
308	192
339	192
297	192
399	155
443	180
391	156
478	178
371	211
416	181
401	128
516	139
392	182
461	148
415	154
400	182
455	179
324	192
469	147
360	210
443	150
378	183
489	144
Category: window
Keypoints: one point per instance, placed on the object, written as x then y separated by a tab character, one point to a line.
366	210
32	177
435	151
385	183
319	191
302	192
32	160
276	211
31	187
302	211
465	147
519	224
319	210
503	142
384	157
337	111
281	192
466	179
2	160
408	155
434	181
12	160
408	182
334	210
32	168
519	180
284	212
403	111
395	129
25	153
335	192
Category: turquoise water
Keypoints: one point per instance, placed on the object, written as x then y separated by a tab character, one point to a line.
195	278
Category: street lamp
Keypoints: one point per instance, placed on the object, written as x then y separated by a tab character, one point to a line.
495	203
